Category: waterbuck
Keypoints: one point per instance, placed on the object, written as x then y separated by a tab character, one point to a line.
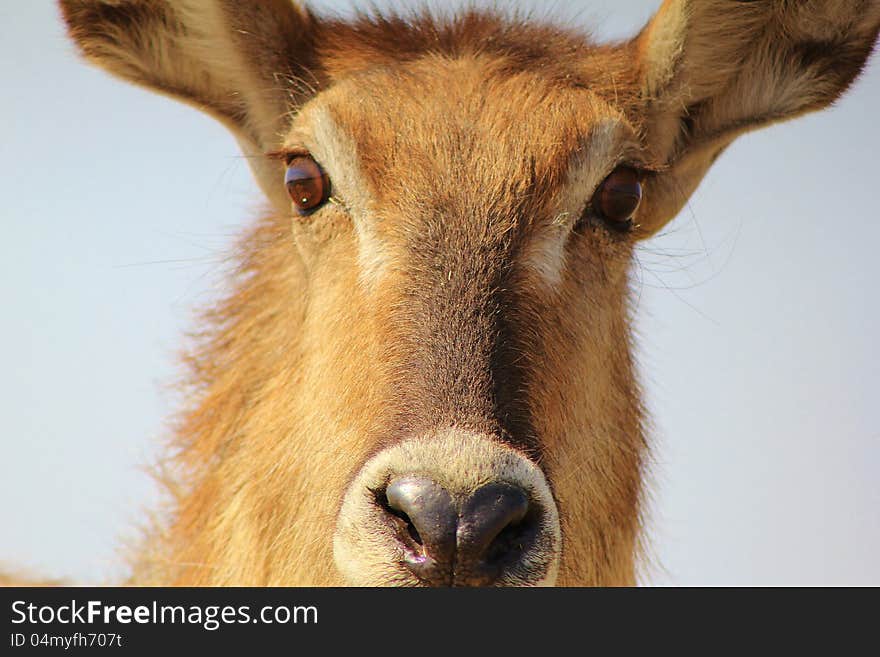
424	374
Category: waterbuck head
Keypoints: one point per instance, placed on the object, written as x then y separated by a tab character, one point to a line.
424	373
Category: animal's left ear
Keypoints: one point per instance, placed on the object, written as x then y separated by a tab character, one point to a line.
711	70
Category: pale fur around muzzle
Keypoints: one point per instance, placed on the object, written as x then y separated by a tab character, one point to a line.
366	548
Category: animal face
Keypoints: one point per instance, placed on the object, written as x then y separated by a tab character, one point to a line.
424	373
471	262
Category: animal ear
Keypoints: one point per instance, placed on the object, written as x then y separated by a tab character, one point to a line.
711	70
242	62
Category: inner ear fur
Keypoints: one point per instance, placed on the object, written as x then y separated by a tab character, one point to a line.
247	63
711	70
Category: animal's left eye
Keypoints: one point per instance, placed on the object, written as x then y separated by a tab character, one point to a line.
307	184
617	199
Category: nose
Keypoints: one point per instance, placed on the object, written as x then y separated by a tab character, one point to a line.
468	540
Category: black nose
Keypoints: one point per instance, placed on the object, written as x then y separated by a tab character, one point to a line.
469	541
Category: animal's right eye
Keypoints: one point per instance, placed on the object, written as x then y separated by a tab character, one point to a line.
307	184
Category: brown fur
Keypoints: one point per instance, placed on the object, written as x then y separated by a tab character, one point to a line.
464	134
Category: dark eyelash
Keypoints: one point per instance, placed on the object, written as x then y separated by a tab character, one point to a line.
287	155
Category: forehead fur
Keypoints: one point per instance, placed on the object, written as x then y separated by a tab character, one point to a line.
564	57
432	104
462	121
448	135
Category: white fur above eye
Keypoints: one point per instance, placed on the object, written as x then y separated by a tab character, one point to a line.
339	157
609	140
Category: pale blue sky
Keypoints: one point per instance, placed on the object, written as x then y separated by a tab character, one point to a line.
758	321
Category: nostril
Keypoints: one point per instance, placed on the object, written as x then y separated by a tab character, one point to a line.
497	525
426	518
510	541
403	518
412	531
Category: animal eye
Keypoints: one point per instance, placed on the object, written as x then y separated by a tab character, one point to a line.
307	184
617	199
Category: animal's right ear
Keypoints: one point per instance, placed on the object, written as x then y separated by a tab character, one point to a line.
244	62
